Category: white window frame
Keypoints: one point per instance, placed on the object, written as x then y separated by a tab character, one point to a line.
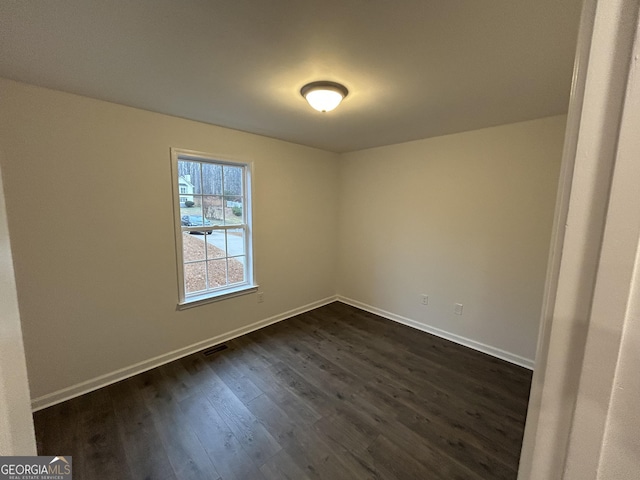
248	286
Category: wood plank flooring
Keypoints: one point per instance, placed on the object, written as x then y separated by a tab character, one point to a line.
335	393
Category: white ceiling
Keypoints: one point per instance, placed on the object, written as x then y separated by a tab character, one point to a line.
414	68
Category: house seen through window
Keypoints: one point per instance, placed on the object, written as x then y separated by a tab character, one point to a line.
213	229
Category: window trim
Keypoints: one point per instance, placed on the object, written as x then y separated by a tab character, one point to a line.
234	290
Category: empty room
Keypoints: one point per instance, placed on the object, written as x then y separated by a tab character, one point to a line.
316	240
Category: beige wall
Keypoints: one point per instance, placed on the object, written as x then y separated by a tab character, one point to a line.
16	425
88	189
463	218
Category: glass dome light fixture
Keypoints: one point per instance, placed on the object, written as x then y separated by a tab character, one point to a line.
324	96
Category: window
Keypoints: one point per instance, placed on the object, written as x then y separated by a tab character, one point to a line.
213	227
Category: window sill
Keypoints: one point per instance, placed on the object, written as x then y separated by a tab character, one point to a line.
198	300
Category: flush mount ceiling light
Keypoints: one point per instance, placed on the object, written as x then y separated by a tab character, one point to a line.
324	96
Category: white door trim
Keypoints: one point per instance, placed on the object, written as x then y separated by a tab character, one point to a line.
575	266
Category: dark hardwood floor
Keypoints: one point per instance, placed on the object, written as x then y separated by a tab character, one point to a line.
335	393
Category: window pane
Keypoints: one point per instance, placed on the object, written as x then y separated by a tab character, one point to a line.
213	211
190	210
217	273
212	194
232	180
215	244
189	176
211	179
193	248
234	210
237	269
235	242
194	277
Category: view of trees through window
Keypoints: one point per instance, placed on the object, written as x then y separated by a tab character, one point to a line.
213	191
212	198
210	177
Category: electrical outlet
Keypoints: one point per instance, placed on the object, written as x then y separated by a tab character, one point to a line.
457	308
260	297
424	299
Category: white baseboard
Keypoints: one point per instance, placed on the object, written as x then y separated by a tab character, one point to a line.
87	386
467	342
